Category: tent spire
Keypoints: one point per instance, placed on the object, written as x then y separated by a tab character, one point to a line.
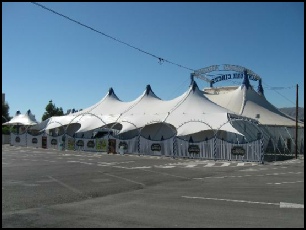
191	78
149	92
110	91
260	89
148	89
194	86
246	81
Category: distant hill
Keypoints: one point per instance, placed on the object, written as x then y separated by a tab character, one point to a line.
291	112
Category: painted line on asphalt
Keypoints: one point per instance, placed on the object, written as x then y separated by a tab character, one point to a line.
167	174
140	167
290	182
281	204
190	166
135	182
218	199
164	166
116	166
290	205
269	174
209	165
86	163
65	185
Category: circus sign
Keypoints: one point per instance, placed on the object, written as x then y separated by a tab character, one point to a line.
237	72
238	150
193	149
90	144
231	76
53	142
156	147
80	143
34	140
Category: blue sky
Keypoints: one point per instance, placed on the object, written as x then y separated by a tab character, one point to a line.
48	57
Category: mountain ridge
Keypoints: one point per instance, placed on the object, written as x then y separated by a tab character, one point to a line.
291	111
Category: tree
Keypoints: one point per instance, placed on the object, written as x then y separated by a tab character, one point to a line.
5	118
51	111
5	112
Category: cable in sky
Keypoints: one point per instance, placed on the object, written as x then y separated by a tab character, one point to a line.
280	88
160	60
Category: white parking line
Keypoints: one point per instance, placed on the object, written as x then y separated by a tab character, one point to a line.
209	165
135	182
240	201
164	166
281	204
190	166
290	182
225	164
65	185
141	167
291	205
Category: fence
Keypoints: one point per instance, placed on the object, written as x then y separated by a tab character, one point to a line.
213	149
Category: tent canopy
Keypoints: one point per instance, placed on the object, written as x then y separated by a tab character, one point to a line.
27	119
249	103
192	108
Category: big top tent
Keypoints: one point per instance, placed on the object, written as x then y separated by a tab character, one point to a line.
192	107
198	122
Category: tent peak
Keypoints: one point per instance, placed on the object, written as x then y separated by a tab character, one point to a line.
148	89
111	92
149	92
191	78
260	88
246	81
194	85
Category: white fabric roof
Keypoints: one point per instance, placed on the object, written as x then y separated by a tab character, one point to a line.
247	102
27	119
189	113
189	108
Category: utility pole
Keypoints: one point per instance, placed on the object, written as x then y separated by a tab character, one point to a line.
296	120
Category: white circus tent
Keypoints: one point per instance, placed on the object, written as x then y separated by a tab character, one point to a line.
245	101
171	125
188	124
27	119
187	114
21	123
216	119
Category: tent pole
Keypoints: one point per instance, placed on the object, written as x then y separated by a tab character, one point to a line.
296	120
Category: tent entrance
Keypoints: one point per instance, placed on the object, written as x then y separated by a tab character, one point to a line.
44	142
111	146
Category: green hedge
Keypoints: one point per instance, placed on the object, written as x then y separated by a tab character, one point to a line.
8	129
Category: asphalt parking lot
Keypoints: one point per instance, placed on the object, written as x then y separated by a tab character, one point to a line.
45	188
